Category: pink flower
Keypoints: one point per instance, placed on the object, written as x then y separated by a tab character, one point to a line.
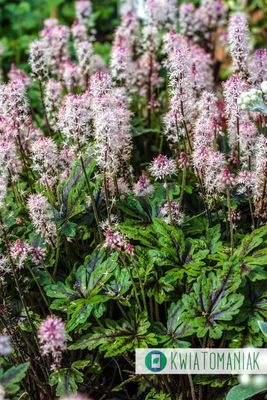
247	136
121	57
183	160
129	248
111	119
162	166
143	187
199	23
245	182
74	119
205	134
56	39
113	239
53	99
161	12
227	178
10	165
122	63
116	241
208	106
260	166
216	175
181	83
52	338
38	255
45	159
201	69
15	74
187	19
79	32
84	51
173	208
83	10
39	59
42	217
3	189
258	67
70	74
20	252
238	35
66	161
14	105
233	88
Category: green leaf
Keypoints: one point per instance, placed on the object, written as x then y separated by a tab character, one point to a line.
263	327
211	302
80	364
12	377
66	380
69	229
80	315
240	392
118	337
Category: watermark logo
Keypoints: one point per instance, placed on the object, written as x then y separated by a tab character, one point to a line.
155	361
250	361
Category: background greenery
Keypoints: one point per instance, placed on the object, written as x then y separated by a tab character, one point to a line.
20	22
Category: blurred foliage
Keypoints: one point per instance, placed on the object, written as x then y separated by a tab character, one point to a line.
20	22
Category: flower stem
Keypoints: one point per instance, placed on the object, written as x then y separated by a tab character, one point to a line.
133	282
230	220
182	187
91	197
44	108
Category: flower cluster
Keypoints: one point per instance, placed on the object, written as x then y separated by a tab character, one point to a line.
111	118
171	213
258	67
198	24
74	119
238	41
116	241
162	167
53	100
52	338
21	251
42	216
143	187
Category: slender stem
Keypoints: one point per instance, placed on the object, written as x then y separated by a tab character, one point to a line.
39	287
251	213
238	141
141	286
106	198
149	91
264	191
192	388
169	202
91	196
44	108
133	282
182	187
185	127
122	310
230	220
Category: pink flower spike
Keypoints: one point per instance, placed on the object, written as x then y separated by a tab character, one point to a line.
52	338
143	187
162	166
